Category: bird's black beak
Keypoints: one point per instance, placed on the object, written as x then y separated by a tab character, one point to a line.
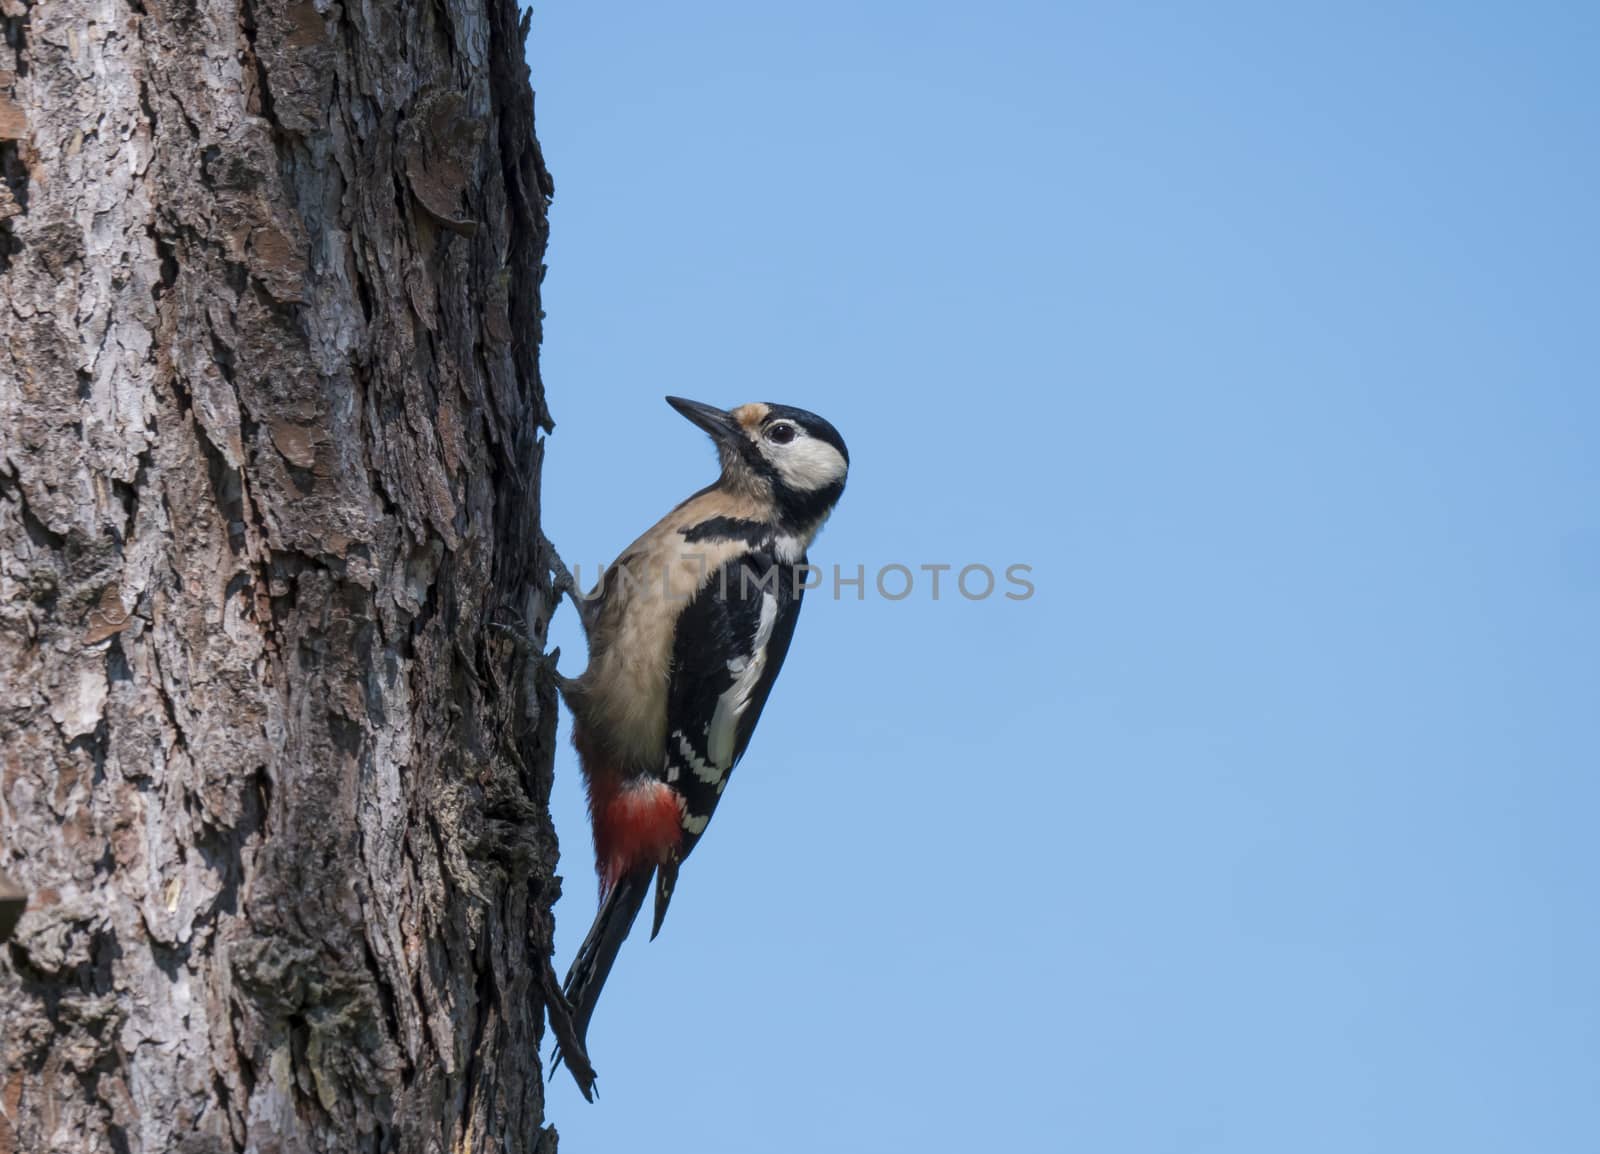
723	428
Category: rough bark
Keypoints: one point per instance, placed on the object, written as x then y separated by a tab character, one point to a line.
269	405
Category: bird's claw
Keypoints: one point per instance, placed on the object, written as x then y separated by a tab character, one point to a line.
562	583
547	666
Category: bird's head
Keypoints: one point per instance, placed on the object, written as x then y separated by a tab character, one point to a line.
792	458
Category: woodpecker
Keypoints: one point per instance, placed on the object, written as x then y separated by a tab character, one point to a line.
687	630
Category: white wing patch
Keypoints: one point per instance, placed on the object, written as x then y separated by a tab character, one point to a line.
722	733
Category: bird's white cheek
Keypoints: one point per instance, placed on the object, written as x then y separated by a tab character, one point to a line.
810	464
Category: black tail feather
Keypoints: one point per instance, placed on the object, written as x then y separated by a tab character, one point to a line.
666	882
599	950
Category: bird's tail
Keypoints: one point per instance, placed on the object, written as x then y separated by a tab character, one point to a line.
599	950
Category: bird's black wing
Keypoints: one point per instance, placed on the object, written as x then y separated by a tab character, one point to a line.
730	643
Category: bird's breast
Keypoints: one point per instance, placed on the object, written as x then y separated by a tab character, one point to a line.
622	696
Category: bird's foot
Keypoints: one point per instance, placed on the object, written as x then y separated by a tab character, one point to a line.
544	663
547	668
563	583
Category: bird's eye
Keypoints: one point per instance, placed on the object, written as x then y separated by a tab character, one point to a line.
780	434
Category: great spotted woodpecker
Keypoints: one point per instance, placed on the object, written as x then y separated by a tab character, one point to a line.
687	631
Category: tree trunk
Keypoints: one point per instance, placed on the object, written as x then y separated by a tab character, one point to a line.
269	402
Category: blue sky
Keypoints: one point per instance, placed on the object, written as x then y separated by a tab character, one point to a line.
1267	336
